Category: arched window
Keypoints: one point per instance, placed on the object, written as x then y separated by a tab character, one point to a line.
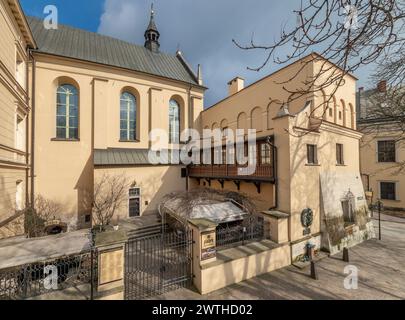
174	122
127	117
257	119
67	112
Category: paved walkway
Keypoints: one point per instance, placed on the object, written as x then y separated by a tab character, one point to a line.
381	267
389	217
18	251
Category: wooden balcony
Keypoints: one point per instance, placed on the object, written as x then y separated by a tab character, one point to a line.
263	173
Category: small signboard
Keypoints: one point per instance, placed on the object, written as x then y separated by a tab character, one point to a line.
369	194
208	245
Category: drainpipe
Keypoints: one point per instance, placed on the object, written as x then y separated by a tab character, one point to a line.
27	128
189	126
32	127
275	170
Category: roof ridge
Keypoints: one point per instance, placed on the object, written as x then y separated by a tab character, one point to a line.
66	26
76	43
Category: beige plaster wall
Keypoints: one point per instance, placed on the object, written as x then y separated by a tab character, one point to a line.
155	182
64	169
225	274
257	107
263	201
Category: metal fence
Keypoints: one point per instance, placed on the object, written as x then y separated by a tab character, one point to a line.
240	233
157	264
48	276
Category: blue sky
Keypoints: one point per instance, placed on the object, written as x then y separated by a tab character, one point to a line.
202	28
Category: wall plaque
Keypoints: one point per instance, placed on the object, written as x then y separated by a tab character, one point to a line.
208	245
111	266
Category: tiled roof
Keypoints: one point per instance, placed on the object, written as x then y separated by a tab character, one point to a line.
122	157
89	46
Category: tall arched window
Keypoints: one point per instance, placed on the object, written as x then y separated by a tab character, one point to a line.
67	112
127	117
174	122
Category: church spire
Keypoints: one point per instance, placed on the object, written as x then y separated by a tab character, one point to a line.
152	34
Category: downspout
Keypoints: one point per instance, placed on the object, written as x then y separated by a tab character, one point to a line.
189	126
33	127
27	139
275	170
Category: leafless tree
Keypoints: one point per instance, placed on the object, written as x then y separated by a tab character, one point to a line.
349	33
110	192
38	213
47	209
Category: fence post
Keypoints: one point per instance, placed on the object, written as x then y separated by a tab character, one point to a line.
92	264
204	249
25	283
276	226
110	246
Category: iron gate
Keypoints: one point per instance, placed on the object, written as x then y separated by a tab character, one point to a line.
157	264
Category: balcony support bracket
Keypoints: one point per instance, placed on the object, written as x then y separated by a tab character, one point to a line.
258	186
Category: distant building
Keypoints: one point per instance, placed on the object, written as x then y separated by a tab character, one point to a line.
382	151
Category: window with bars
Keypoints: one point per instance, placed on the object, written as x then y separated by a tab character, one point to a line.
386	151
127	117
134	202
339	154
312	154
67	112
388	191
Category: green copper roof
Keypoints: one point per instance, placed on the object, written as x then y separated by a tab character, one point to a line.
89	46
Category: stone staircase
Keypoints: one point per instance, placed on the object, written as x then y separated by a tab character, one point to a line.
147	225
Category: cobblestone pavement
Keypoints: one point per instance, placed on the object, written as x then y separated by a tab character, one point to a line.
381	267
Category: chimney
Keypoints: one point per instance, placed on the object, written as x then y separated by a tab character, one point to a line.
382	86
199	75
235	85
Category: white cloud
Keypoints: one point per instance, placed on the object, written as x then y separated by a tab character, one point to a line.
122	19
205	29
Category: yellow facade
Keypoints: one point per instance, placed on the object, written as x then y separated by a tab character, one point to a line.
324	118
15	38
64	170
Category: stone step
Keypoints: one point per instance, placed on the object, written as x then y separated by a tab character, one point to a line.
145	231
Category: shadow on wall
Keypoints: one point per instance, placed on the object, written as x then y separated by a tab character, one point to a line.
14	227
247	189
85	189
157	187
153	182
6	201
